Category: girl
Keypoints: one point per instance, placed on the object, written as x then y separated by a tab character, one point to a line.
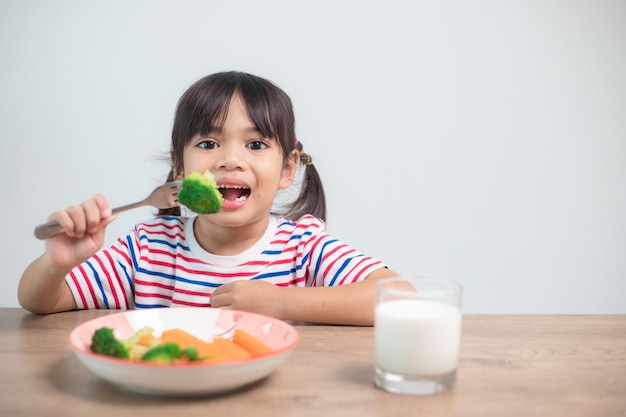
242	129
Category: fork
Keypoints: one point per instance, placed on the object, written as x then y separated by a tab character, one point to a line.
162	197
228	333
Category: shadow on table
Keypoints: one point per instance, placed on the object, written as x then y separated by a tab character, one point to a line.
362	375
73	378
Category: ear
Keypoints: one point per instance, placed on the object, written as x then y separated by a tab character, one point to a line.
289	170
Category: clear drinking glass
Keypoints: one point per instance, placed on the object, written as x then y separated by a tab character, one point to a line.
417	334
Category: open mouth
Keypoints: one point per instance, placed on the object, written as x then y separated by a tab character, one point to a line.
234	192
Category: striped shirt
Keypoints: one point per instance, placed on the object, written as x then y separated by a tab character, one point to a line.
160	264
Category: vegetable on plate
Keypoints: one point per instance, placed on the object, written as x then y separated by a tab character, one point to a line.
177	346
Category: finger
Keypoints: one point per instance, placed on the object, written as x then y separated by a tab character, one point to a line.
65	221
219	300
215	302
108	221
103	205
98	235
93	217
223	289
84	218
77	223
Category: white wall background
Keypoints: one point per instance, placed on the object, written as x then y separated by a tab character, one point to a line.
483	141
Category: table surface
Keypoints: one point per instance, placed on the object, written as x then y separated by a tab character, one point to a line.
530	365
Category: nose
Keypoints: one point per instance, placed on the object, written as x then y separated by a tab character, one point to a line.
230	157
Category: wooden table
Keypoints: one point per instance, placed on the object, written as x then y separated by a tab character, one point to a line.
511	365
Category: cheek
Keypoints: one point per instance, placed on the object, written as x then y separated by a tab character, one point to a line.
190	162
268	173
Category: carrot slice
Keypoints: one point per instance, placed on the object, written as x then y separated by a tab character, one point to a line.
146	340
233	350
207	351
251	343
243	345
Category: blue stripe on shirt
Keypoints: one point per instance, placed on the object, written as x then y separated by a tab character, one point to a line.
340	270
175	278
131	250
275	274
164	242
321	256
128	278
99	282
150	305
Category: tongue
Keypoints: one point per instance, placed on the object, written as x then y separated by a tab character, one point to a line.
231	194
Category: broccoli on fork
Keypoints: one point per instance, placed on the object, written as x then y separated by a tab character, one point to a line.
200	194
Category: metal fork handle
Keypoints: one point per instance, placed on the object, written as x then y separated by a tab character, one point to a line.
51	229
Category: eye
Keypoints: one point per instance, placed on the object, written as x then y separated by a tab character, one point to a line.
207	144
256	145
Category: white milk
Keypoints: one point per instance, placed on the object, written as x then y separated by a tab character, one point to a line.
417	337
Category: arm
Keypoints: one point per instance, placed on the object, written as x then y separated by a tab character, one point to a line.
42	288
351	304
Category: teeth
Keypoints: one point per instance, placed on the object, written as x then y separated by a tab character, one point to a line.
234	187
237	187
242	198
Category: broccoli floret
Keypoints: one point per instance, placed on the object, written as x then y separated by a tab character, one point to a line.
170	352
165	353
105	343
191	354
200	194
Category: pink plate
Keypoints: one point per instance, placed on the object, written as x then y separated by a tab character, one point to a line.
186	379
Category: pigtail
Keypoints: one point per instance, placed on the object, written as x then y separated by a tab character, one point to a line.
312	199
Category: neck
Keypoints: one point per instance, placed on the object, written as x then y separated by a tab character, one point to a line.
226	240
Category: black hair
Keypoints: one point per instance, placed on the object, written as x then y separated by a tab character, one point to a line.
204	107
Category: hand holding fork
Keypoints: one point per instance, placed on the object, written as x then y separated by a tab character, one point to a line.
164	196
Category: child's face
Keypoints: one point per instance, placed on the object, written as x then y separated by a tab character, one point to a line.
248	168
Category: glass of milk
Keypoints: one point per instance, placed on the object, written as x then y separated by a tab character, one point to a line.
417	329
